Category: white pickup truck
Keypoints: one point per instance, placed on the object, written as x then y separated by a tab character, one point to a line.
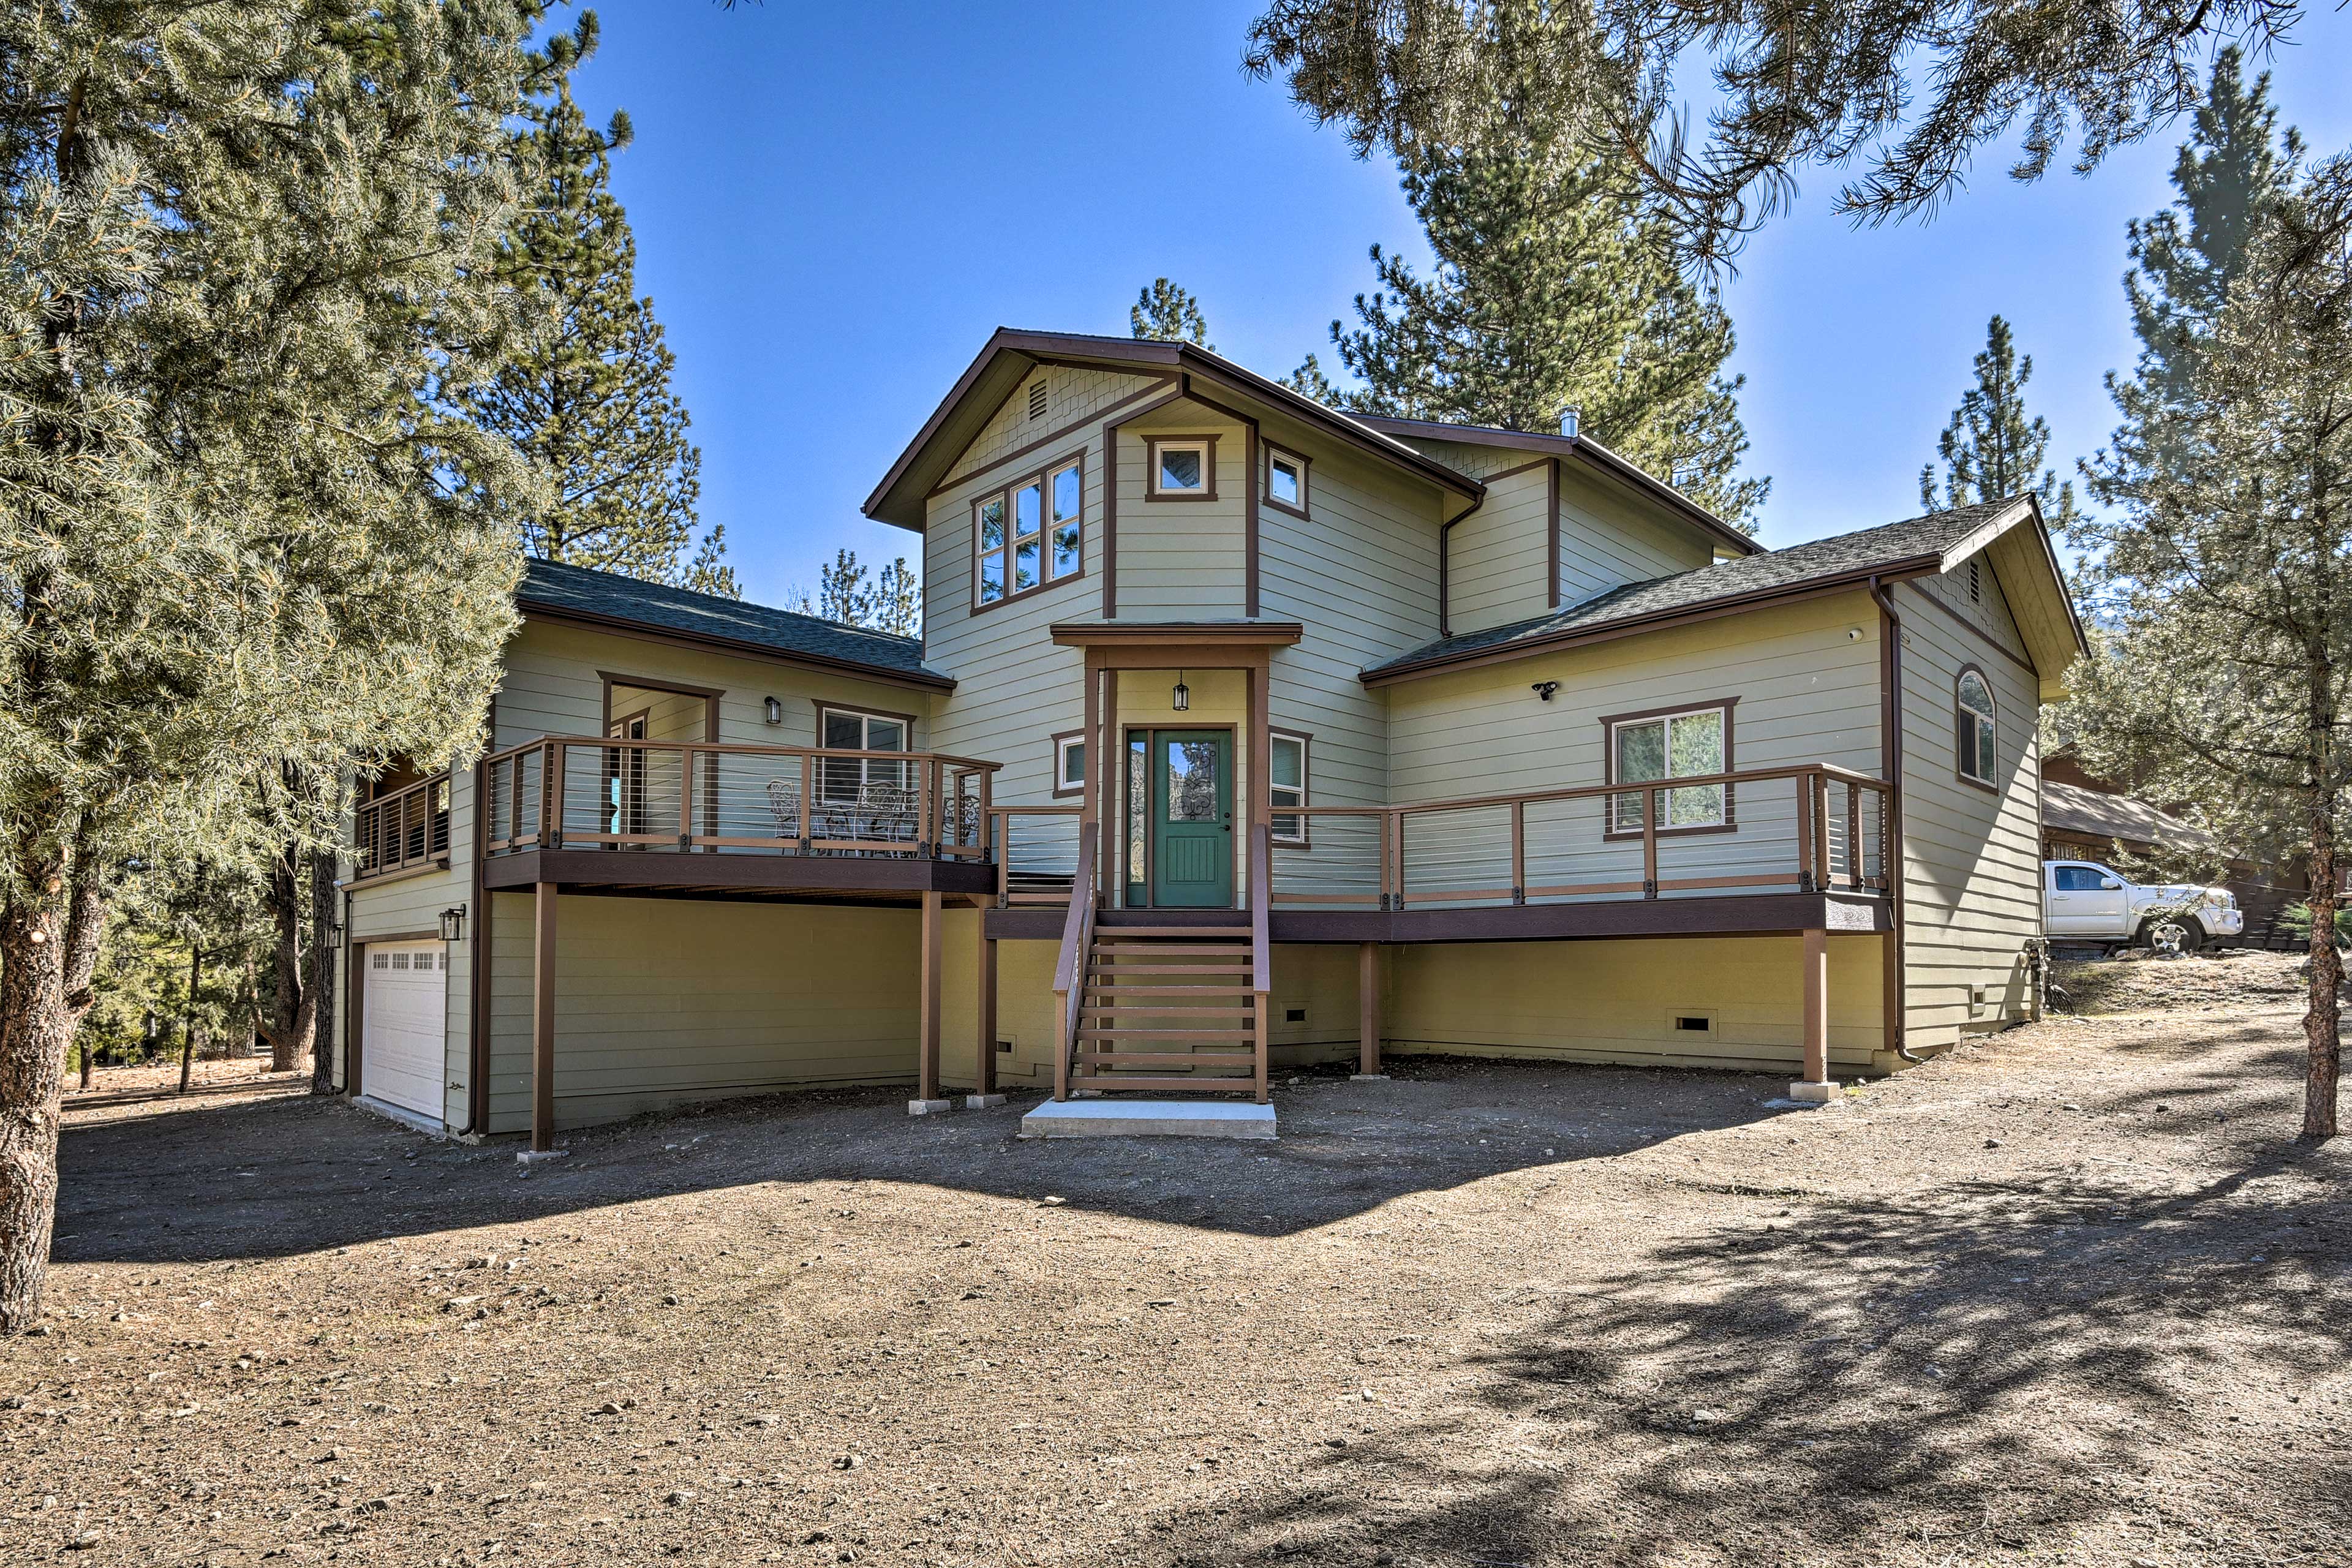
2083	901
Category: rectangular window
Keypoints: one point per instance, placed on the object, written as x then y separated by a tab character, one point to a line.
1286	481
1689	744
1030	534
1070	764
1286	779
845	779
1182	468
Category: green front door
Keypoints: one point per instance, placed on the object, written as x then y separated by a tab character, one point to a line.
1191	818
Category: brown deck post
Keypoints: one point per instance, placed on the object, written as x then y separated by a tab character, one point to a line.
1368	1010
927	1070
543	1018
984	1075
1815	1033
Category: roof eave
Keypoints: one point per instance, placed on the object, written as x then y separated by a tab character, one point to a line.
1607	631
929	681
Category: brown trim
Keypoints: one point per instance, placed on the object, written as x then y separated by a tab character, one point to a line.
1127	734
1581	446
1978	632
1042	478
1306	496
1060	788
1155	439
1959	773
1111	427
434	867
478	979
1772	598
1893	996
1251	440
864	710
1721	915
355	972
579	871
1049	438
733	646
1176	634
1551	532
1609	831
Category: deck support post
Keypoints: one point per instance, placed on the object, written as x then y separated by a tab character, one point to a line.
983	1077
1367	1012
1815	1086
543	1018
927	1098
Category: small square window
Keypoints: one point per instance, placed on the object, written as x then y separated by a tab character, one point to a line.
1070	764
1184	469
1286	481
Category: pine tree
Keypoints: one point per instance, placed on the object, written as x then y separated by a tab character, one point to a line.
2222	578
1308	381
1168	313
589	398
847	592
2233	170
1551	296
247	267
1991	449
898	600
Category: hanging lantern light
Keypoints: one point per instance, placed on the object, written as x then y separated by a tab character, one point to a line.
1182	698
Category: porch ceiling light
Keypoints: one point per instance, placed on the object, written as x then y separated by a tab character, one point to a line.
453	923
1182	698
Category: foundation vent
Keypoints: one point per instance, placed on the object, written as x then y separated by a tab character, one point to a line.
1294	1015
1694	1023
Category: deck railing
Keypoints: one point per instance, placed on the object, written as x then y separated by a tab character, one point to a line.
408	827
587	793
1808	827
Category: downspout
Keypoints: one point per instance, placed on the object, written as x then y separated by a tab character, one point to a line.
1890	683
1445	589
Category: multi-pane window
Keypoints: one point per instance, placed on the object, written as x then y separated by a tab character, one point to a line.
1651	747
1029	534
1973	724
1286	781
1285	480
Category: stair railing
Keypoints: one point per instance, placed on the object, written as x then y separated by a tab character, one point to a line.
1070	969
1261	885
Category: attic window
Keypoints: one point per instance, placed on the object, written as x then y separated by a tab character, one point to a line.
1036	400
1976	588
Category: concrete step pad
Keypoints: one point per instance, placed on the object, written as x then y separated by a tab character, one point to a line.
1148	1117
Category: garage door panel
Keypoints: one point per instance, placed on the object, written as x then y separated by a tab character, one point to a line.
403	1026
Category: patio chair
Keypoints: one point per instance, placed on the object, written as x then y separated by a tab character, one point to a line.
889	810
784	804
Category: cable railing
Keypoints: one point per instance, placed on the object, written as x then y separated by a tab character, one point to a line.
407	828
585	793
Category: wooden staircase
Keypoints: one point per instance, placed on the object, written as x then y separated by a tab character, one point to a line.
1172	1009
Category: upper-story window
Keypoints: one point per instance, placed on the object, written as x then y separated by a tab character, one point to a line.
1182	468
1286	481
1973	716
1030	534
1691	742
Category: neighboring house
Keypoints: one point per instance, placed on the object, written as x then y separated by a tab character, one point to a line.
2087	818
1244	734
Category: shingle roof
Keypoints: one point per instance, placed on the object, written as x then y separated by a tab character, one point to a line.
560	590
2070	808
1910	543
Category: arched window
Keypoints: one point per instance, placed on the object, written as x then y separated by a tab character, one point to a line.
1973	713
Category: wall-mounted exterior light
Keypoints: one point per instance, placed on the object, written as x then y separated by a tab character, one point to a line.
453	923
1544	689
775	711
1182	698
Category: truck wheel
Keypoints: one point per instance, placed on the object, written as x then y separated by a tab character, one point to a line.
2171	934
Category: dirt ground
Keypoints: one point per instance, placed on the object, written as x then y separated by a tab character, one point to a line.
2070	1295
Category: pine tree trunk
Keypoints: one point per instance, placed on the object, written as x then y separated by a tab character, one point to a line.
36	1030
2322	1028
323	897
188	1024
291	1010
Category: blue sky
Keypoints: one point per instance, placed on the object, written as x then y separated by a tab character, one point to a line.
834	205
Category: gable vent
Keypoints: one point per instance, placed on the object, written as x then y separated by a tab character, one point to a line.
1976	587
1037	400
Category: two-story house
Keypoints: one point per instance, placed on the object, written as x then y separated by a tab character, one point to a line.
1243	733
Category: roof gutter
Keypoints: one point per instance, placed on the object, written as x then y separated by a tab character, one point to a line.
654	632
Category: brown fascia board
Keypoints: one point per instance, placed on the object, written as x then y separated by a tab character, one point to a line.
647	632
1080	634
1503	653
2027	508
1581	447
1182	358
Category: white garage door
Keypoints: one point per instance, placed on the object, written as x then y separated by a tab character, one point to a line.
402	1027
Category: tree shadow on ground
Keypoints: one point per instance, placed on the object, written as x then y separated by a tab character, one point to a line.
277	1176
1942	1378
